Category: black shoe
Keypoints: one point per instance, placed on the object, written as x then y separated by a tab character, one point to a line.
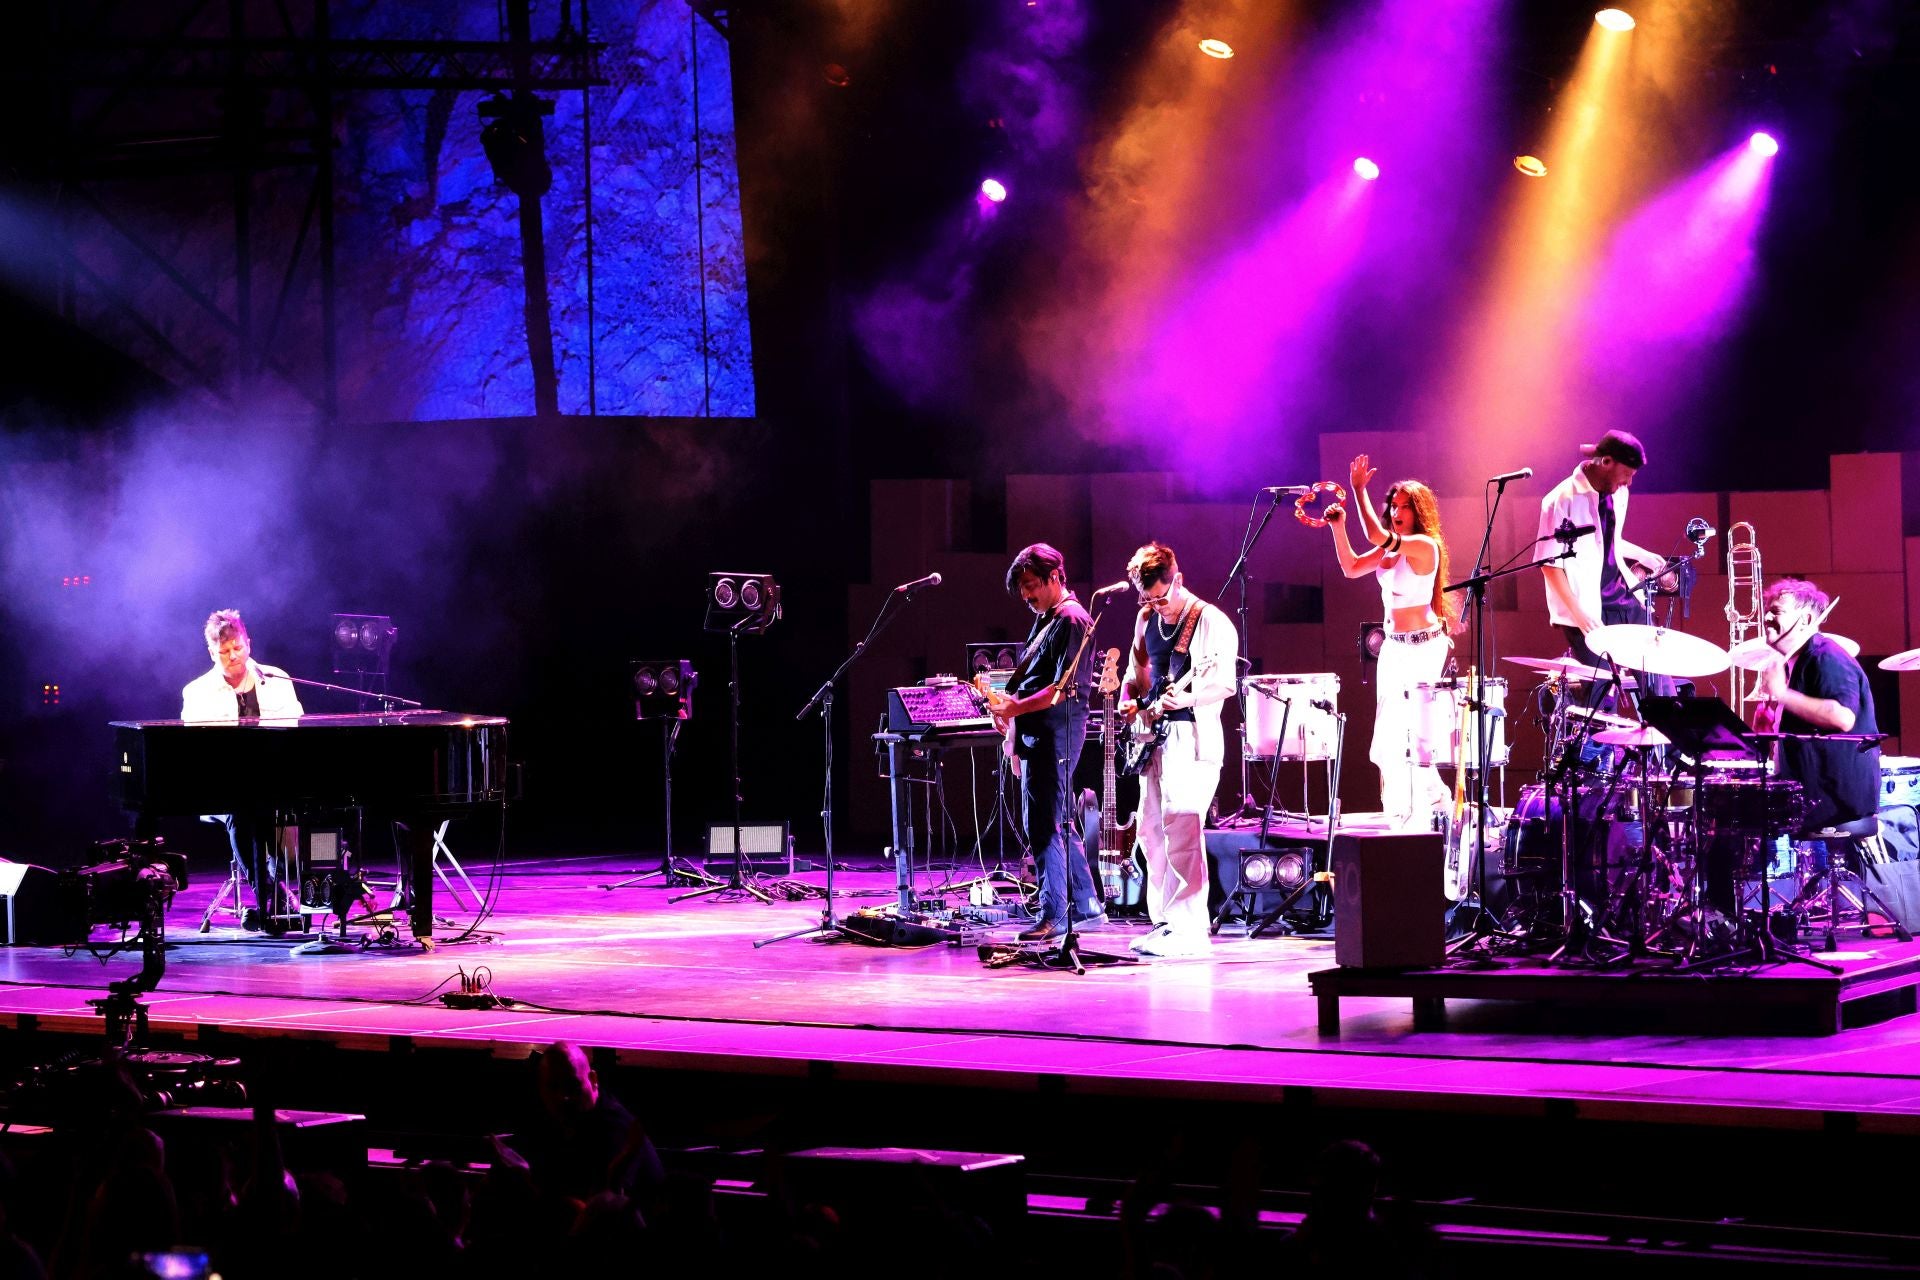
250	919
1045	931
274	927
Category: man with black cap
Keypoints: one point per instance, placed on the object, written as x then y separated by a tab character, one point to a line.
1594	587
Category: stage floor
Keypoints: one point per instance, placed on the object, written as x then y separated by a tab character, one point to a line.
682	986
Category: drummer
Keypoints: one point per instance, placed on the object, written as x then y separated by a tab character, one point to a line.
1817	688
1408	556
1594	587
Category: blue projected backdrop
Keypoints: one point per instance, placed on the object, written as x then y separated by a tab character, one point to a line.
431	325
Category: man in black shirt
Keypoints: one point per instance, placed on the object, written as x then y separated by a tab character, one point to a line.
1817	688
1046	713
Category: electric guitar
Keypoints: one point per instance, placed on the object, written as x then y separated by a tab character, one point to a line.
1119	878
1456	876
997	703
1137	752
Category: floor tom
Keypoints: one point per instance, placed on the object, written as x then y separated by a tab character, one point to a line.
1435	712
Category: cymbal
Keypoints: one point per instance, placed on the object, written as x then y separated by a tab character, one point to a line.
1572	668
1908	661
1655	649
1637	736
1598	716
1754	653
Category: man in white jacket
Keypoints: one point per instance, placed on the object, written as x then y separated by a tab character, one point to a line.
236	689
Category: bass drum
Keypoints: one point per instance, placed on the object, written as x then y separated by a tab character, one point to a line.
1434	710
1604	848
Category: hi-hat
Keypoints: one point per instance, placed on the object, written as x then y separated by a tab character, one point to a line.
1908	661
1655	649
1639	736
1754	653
1572	668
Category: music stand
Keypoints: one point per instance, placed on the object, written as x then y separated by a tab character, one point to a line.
1701	728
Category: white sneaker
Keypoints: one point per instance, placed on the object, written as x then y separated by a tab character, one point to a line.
1175	946
1141	943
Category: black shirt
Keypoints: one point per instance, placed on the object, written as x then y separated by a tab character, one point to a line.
1614	588
1840	781
1163	663
1053	642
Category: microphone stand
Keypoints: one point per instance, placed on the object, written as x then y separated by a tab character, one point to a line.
388	700
822	701
1479	921
1239	573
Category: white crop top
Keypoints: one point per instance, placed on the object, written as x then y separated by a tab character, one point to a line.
1401	587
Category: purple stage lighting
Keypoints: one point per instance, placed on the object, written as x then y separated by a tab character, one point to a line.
993	189
1763	144
1366	168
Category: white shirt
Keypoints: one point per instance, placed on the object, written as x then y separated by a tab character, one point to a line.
209	699
1574	499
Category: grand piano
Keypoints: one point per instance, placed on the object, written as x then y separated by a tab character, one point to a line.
411	766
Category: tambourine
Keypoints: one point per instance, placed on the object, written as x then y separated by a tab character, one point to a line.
1313	519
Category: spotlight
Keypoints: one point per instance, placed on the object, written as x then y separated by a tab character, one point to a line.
1532	166
1373	638
663	689
1763	144
1216	49
993	189
362	642
1257	871
1291	868
1614	19
1366	168
748	602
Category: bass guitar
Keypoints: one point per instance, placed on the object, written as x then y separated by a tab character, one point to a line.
1137	752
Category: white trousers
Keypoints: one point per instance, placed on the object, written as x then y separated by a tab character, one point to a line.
1409	791
1175	794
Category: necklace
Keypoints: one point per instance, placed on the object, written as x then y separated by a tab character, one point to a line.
1160	625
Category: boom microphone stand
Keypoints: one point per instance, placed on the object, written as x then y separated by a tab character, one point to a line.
822	700
1479	922
1238	573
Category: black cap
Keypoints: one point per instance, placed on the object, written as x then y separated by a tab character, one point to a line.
1623	446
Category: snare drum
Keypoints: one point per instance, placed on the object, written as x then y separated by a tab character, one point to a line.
1312	733
1751	805
1435	716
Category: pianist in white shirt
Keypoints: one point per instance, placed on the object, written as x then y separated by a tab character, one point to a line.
239	688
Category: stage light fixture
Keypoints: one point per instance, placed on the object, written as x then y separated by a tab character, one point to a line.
1216	48
993	189
1291	868
362	643
515	143
663	688
743	602
1763	144
1366	168
992	655
1532	166
1373	638
1614	19
1257	871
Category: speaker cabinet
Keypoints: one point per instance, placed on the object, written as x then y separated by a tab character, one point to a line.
1388	907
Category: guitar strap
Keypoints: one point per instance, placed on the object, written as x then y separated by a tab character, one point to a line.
1187	625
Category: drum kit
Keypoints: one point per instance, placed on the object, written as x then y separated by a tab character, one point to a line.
1640	841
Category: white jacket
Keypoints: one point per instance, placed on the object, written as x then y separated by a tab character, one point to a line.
210	699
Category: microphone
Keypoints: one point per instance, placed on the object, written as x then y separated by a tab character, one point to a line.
1524	473
1570	532
1321	704
1698	531
1288	488
1112	587
931	580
